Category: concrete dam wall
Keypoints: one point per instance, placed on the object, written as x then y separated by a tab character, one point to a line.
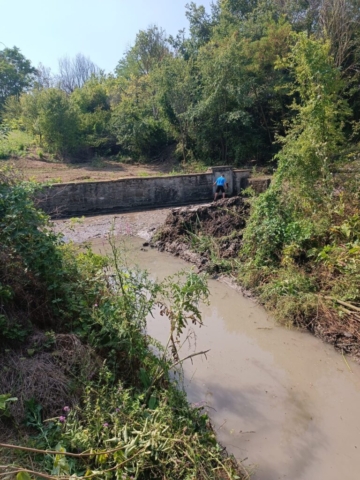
126	194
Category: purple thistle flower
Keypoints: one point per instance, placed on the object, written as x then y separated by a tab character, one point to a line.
105	425
66	409
95	305
62	419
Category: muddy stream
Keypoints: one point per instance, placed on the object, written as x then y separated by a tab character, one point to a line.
279	398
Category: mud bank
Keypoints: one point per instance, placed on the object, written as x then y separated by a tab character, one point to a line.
141	224
198	232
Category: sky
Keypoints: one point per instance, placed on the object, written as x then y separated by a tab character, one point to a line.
46	30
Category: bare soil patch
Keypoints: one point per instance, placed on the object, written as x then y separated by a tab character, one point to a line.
102	169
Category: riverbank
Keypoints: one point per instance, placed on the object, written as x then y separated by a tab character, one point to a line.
210	236
275	396
81	390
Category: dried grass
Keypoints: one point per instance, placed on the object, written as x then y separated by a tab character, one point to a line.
46	376
338	328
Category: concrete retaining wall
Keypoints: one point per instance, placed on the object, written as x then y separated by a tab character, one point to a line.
126	194
259	184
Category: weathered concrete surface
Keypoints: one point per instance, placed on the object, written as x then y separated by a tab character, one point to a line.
259	184
131	194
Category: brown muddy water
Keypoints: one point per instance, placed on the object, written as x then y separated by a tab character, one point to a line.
279	398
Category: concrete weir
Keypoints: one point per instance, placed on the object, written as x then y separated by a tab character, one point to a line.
131	194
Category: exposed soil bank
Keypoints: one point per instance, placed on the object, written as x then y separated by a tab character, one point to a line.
186	227
279	397
184	234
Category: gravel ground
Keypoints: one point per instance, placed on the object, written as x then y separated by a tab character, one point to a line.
141	224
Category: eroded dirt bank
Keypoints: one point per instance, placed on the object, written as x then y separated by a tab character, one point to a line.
199	233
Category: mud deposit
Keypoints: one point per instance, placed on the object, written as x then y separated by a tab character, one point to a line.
141	224
185	227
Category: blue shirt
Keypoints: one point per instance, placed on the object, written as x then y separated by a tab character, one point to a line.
220	182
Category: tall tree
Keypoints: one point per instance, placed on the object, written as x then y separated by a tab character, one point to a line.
149	50
73	73
16	73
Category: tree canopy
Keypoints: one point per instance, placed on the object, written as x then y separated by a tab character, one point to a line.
16	73
221	94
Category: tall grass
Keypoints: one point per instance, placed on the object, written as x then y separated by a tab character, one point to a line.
15	144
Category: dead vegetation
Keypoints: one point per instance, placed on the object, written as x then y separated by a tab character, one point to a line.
339	327
46	369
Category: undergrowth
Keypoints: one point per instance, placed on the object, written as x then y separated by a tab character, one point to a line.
14	144
82	393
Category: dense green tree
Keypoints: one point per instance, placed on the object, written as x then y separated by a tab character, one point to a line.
149	50
178	92
50	115
58	121
93	104
16	73
298	205
242	103
136	120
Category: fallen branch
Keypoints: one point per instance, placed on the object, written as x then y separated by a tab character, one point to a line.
345	304
49	477
345	310
54	452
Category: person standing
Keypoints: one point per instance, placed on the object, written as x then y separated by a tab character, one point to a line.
221	184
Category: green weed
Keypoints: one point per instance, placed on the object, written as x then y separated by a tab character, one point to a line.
14	144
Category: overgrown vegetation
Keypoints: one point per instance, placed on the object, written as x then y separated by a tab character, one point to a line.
219	95
300	250
82	391
13	143
301	246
